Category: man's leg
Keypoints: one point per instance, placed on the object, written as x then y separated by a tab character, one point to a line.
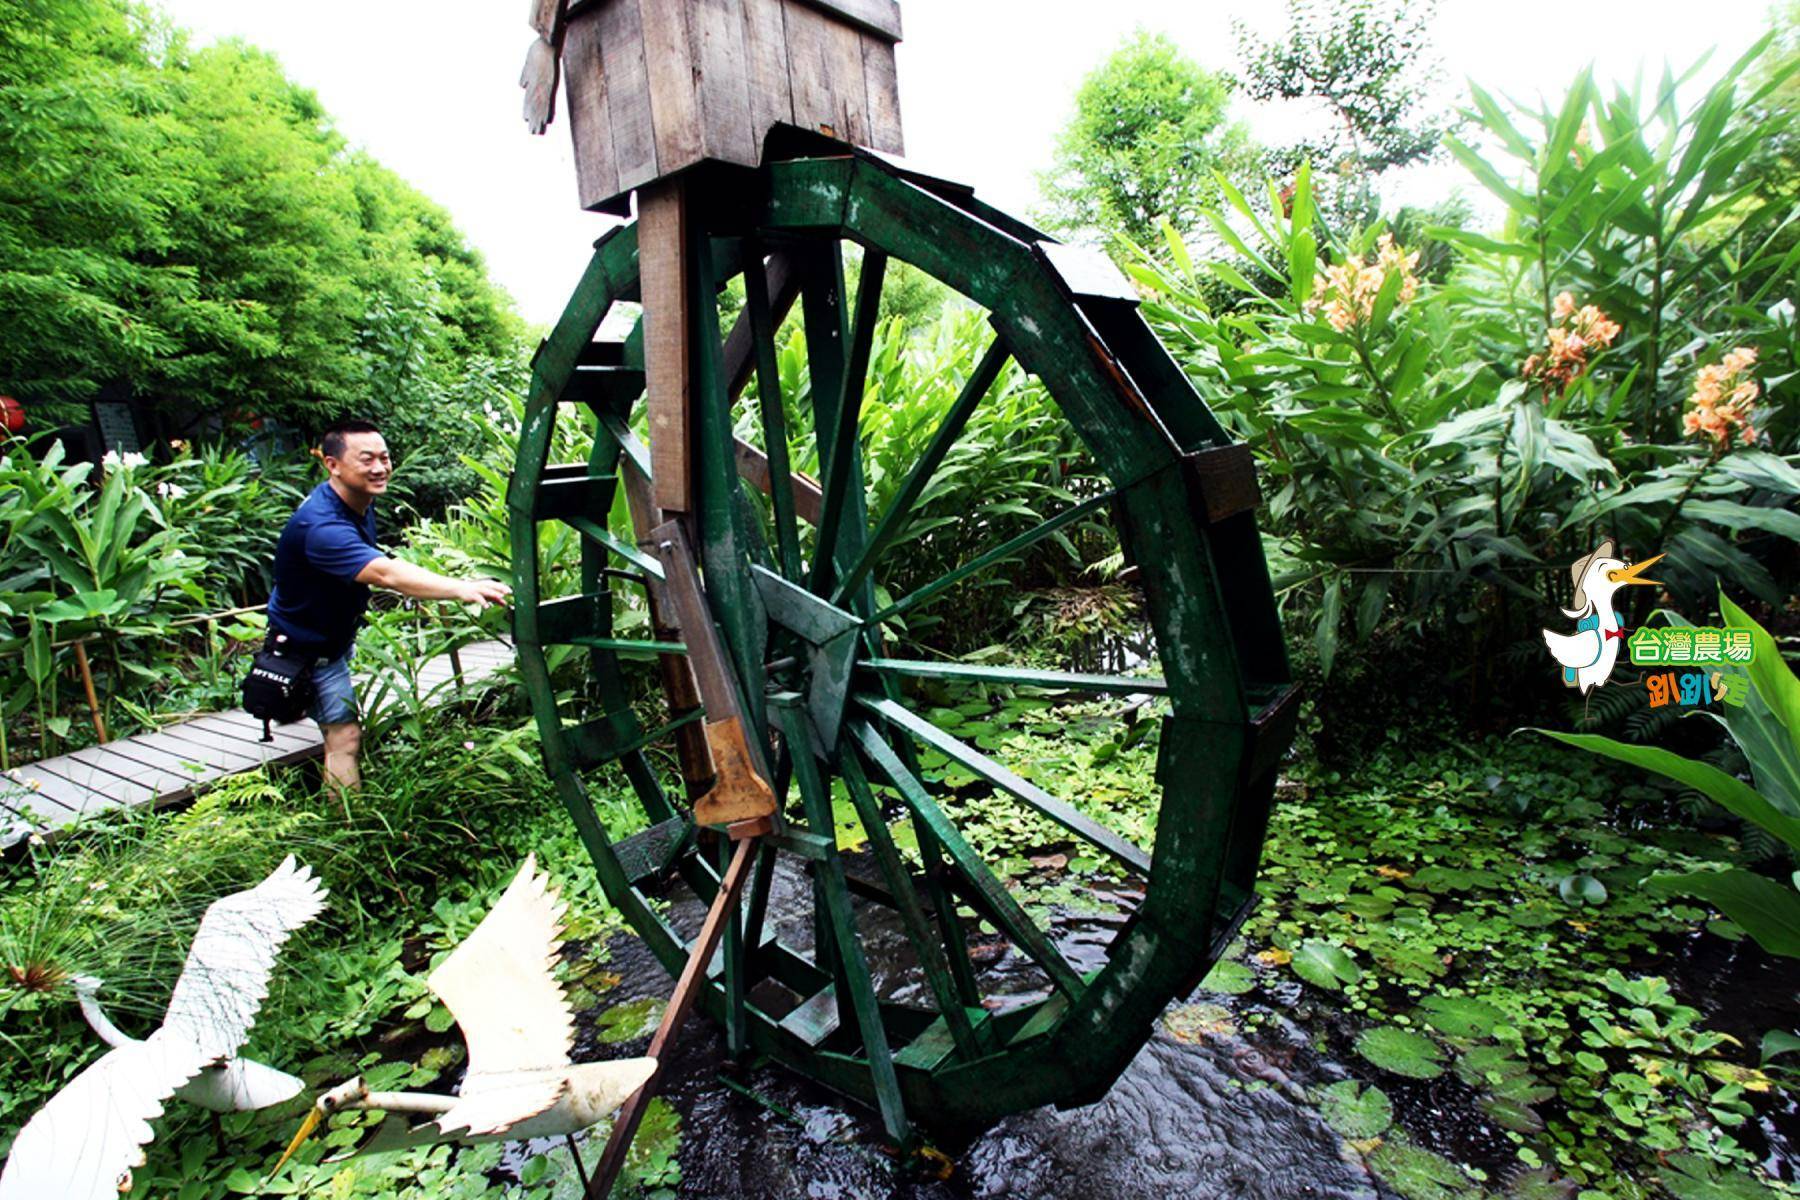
335	711
342	743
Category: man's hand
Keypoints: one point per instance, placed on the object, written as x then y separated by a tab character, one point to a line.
483	592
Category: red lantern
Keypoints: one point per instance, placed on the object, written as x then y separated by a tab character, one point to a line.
12	414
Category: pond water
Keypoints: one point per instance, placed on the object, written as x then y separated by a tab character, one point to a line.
1216	1114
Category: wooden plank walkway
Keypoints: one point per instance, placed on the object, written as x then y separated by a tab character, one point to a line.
165	767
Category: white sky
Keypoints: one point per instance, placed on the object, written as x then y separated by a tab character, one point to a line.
431	89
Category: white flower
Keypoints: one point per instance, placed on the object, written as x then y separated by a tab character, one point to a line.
468	745
130	459
170	491
1782	312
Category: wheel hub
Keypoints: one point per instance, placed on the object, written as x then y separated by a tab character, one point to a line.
832	638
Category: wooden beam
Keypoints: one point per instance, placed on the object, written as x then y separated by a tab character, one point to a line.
662	258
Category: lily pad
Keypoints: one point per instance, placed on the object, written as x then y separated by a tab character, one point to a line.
1504	1078
1325	965
1401	1051
1229	978
1540	1184
632	1020
1510	1114
1582	889
1196	1023
1418	1174
1693	1178
1354	1111
1460	1016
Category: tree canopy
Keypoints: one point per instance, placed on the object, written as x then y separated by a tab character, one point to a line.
1151	126
189	223
1370	65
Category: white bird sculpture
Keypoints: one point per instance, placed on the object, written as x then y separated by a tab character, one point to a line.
1587	655
501	987
84	1142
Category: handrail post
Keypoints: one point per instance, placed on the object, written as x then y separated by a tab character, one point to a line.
87	684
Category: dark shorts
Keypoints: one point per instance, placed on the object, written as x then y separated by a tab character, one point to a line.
336	701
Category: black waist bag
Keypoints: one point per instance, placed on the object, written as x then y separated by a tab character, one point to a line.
279	687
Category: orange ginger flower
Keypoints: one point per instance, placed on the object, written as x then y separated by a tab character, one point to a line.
1347	291
1579	333
1723	404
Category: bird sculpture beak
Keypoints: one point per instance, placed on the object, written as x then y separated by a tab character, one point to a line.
1630	574
314	1115
347	1093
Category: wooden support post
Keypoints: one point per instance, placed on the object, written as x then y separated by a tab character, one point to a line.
687	991
740	789
87	685
668	340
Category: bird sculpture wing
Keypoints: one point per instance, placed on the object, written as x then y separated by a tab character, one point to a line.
85	1141
83	1144
501	987
1574	650
233	955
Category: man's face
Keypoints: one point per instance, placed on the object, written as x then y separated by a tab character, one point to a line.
364	466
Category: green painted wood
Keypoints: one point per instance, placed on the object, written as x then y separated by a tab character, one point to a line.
1077	823
839	449
559	622
796	609
808	845
595	743
1042	1021
599	535
816	796
561	498
723	549
936	966
770	403
894	521
937	871
1119	685
603	386
937	1043
638	646
1013	919
732	964
648	853
1207	598
816	1017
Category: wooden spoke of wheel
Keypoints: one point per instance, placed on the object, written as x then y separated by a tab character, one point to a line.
998	554
1013	919
894	521
852	967
761	320
597	533
838	445
1082	826
1071	681
932	959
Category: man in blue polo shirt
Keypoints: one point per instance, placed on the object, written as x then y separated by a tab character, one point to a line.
325	564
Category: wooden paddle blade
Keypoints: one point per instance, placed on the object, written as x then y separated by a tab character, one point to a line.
738	793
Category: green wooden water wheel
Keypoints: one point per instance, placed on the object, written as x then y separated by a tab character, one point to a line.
789	567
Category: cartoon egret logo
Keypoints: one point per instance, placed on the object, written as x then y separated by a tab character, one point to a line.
1587	655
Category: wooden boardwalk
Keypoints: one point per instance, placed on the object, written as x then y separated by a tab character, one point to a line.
165	767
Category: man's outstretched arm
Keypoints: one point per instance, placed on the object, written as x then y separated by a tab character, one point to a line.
417	582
